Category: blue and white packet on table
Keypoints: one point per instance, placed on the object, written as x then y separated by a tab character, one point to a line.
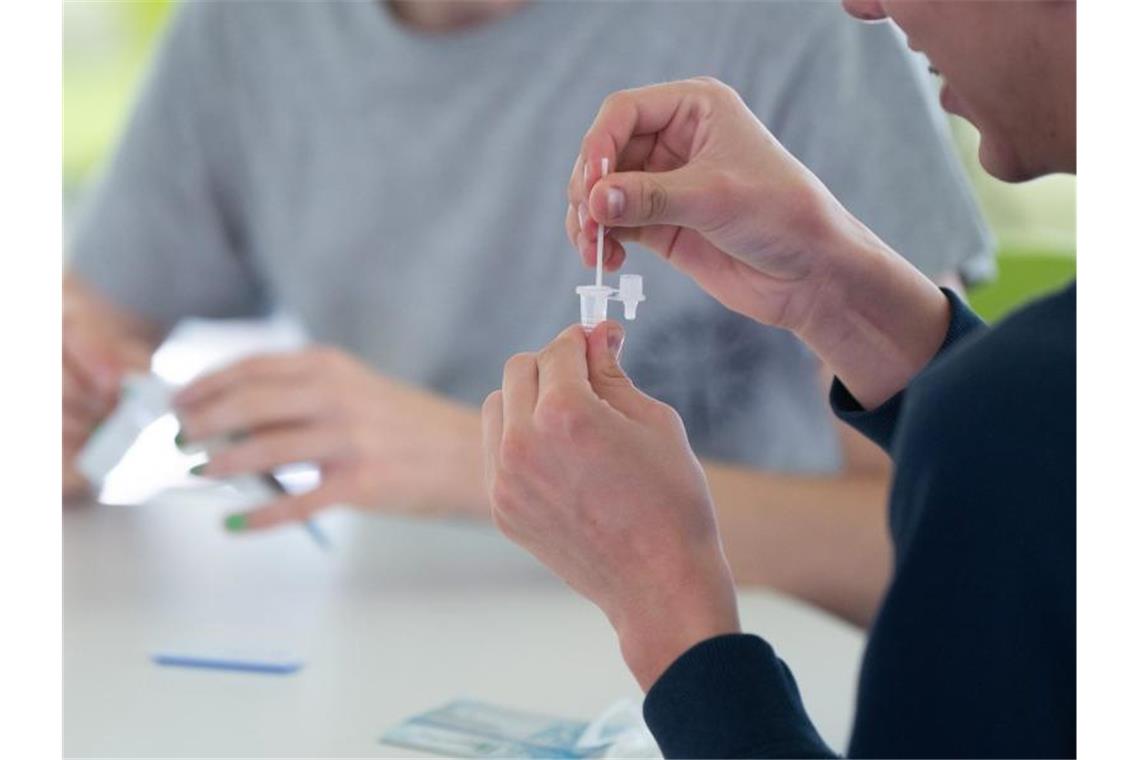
468	728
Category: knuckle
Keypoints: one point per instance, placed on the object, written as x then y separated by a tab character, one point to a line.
561	411
514	450
617	99
609	374
492	402
713	86
520	362
666	416
654	199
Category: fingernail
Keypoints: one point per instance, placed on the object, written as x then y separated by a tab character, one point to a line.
180	440
586	171
615	337
582	216
615	203
198	469
236	523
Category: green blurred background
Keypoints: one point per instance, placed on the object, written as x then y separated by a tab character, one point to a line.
107	45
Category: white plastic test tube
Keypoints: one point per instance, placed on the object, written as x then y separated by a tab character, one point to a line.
594	300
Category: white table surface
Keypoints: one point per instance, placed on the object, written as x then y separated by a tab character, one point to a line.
401	617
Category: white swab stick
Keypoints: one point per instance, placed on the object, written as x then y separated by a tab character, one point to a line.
601	234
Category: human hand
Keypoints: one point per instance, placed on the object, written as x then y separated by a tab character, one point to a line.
378	443
700	181
98	350
597	480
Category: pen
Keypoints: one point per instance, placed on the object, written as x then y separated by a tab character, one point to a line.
319	538
266	480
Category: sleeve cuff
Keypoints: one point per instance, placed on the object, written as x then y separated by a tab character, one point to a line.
730	696
879	424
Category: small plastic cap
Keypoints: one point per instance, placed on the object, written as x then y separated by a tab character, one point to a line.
630	293
594	300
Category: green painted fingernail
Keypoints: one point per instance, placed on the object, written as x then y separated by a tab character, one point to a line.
180	439
236	523
198	469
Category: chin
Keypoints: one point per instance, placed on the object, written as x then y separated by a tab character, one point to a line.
1001	161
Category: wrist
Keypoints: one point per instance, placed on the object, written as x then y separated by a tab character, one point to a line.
659	626
874	320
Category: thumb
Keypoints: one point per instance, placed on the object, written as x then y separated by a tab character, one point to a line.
637	199
608	379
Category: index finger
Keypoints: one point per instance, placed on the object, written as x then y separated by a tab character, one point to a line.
563	362
623	116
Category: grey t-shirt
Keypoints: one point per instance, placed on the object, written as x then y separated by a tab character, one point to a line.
402	194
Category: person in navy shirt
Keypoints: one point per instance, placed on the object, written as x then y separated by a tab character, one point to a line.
973	650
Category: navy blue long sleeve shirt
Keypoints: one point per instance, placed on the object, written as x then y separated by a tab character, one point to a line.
973	652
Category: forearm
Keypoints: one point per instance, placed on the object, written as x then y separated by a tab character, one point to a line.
459	490
83	303
820	539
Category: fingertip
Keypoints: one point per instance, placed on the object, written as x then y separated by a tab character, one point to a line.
238	522
574	333
605	341
270	516
493	403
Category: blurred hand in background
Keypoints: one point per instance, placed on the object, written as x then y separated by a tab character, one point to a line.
101	343
378	442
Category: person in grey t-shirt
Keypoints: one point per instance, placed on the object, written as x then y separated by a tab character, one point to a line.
364	166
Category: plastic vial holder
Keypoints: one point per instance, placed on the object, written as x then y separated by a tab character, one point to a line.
594	299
